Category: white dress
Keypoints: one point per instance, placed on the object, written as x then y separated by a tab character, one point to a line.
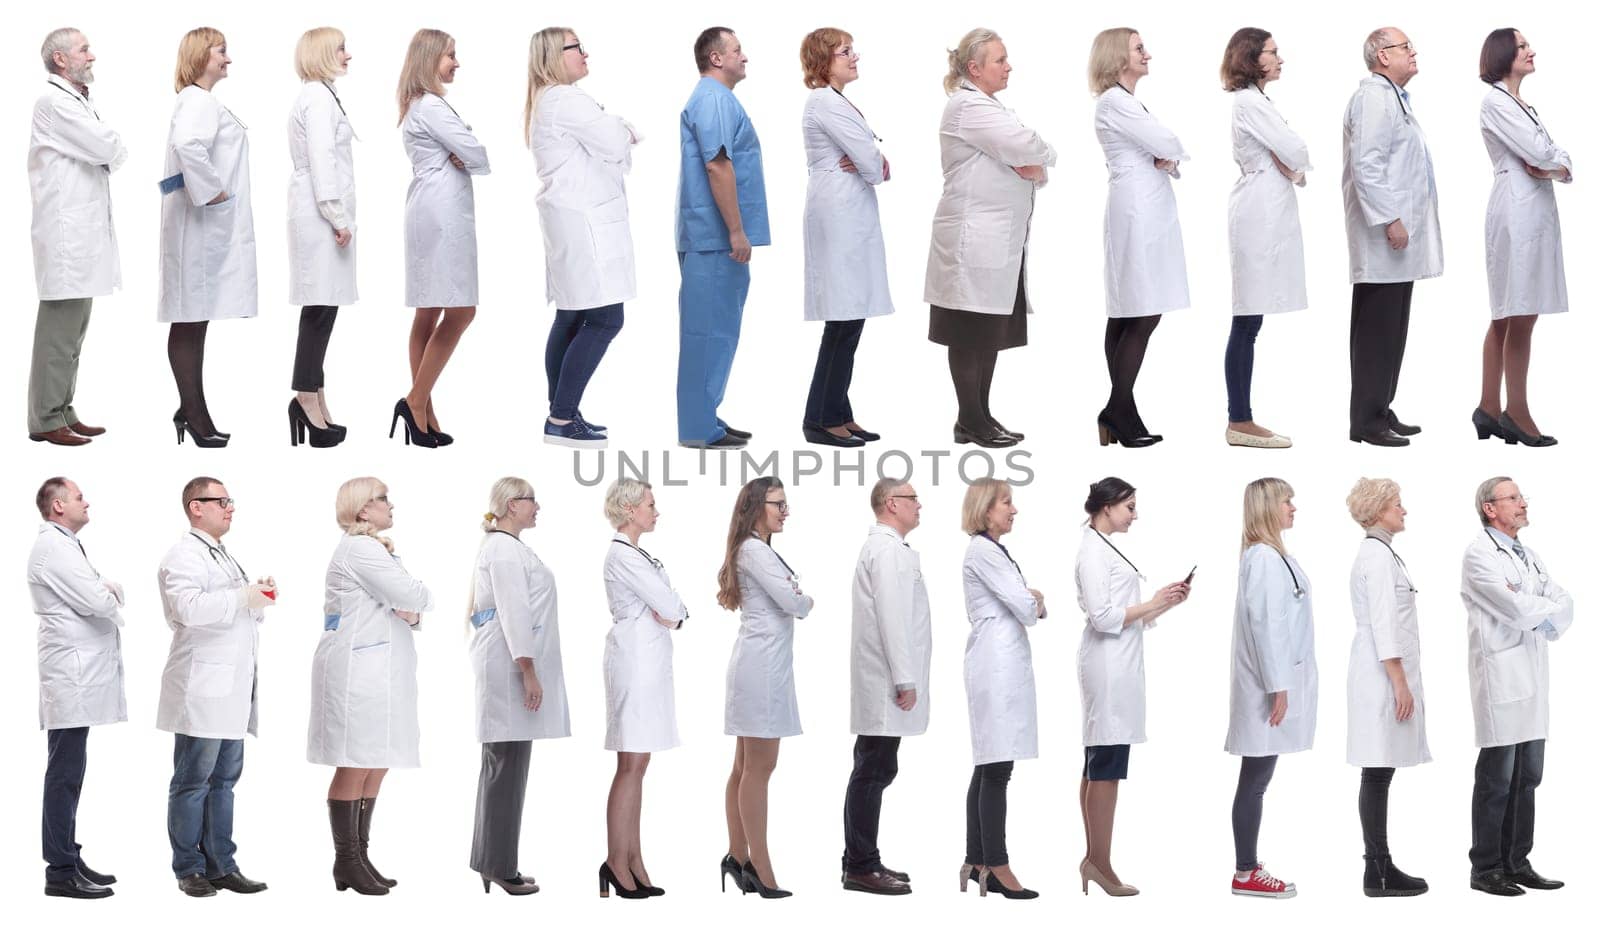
1385	606
441	227
515	617
847	272
322	197
640	712
1144	271
1522	229
1274	650
1111	653
761	699
208	252
1267	255
1002	705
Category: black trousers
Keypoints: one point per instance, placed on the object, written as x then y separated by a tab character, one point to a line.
316	328
63	783
828	402
986	814
1372	803
877	763
1502	806
1255	773
1380	316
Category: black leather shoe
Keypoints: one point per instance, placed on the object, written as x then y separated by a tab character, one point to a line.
1401	428
877	882
1003	429
1386	438
991	437
77	886
1498	883
1532	879
95	876
864	434
897	875
1383	879
196	885
726	442
735	432
1515	435
238	883
827	438
1486	425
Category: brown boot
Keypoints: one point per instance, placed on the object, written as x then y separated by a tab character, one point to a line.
364	829
348	870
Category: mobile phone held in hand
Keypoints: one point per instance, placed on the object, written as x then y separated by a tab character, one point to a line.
1189	579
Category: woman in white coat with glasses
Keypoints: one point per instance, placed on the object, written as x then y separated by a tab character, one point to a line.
641	717
1272	694
364	676
1386	715
521	694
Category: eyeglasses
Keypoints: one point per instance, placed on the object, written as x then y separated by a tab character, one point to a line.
847	52
222	501
912	497
1405	45
783	507
1518	499
525	498
577	45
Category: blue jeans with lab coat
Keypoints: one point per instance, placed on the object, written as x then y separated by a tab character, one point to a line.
200	805
578	339
710	309
1502	806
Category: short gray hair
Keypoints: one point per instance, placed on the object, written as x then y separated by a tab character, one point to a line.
59	40
1485	496
622	495
881	490
1374	44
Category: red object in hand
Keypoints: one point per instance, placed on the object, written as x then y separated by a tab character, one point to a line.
271	593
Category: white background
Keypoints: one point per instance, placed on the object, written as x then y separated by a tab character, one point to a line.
1173	837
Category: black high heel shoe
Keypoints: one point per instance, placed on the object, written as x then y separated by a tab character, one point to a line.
731	866
650	889
300	425
752	882
414	434
1515	435
440	439
609	882
1486	424
1112	433
991	883
200	440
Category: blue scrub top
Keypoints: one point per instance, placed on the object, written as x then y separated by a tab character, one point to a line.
713	122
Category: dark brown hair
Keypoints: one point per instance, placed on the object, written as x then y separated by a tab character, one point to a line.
1105	493
748	510
1499	52
53	488
1241	62
709	41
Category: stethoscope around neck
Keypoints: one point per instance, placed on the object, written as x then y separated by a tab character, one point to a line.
1405	110
219	559
1532	561
1107	541
1410	586
1299	591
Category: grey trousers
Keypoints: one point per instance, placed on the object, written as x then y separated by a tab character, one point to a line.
57	342
497	827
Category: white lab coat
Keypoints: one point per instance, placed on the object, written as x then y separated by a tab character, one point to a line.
322	198
208	253
364	672
985	214
891	637
1522	231
71	155
1273	650
1385	608
80	635
583	154
761	699
1388	175
514	610
1144	269
1513	611
640	712
441	227
1002	706
1111	654
1267	255
208	689
847	272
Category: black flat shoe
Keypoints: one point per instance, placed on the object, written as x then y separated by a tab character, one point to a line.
1515	435
728	441
1110	433
1486	425
752	882
1401	428
236	881
1018	435
78	886
1532	879
1498	883
897	875
196	885
864	434
735	432
95	876
1384	438
732	866
827	438
991	437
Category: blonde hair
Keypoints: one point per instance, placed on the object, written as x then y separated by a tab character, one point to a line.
966	50
316	55
355	495
982	495
546	68
1262	521
504	491
1107	57
1368	499
420	73
194	53
622	495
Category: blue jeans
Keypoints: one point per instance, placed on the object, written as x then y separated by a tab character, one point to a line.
1502	806
63	783
200	805
828	404
578	339
1239	363
710	308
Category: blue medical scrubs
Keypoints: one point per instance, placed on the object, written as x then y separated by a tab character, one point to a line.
713	288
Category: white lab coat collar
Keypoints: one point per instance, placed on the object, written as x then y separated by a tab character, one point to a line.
1501	536
214	543
889	530
67	85
69	532
967	84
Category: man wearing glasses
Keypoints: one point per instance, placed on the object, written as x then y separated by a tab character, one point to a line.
1391	218
208	691
1514	610
891	647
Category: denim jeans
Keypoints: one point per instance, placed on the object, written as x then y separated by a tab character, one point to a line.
200	805
578	339
828	404
1239	363
63	783
1502	806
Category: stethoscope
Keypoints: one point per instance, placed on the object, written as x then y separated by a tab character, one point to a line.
72	537
1107	540
985	536
1527	110
81	99
1399	97
1299	592
1147	110
1532	561
640	550
859	113
215	559
793	576
346	115
1402	563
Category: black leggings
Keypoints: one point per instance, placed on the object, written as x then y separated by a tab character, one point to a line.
186	353
316	327
1255	773
1126	341
1373	805
986	814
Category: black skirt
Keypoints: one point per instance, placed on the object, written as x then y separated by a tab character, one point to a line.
979	331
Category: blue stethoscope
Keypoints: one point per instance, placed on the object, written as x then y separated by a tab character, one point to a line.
215	559
1532	563
1402	563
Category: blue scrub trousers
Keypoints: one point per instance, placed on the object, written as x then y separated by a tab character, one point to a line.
710	307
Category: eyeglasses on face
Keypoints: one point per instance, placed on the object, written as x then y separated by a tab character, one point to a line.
912	497
1409	48
223	501
1514	499
783	506
575	45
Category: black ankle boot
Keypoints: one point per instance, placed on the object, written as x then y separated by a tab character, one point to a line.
1383	879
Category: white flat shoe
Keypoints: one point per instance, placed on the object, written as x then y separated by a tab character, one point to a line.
1271	442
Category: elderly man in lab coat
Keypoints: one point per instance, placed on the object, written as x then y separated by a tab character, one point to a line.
1514	610
1391	217
70	159
80	675
722	214
208	690
891	654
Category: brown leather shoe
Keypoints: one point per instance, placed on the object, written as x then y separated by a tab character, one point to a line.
876	882
63	436
87	430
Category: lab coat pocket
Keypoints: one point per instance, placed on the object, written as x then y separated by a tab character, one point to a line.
985	240
1404	202
217	235
81	232
608	229
1299	692
96	668
1511	675
211	672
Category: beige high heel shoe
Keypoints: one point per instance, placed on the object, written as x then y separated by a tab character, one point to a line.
1091	873
970	873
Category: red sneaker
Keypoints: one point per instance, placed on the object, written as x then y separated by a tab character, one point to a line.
1260	883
